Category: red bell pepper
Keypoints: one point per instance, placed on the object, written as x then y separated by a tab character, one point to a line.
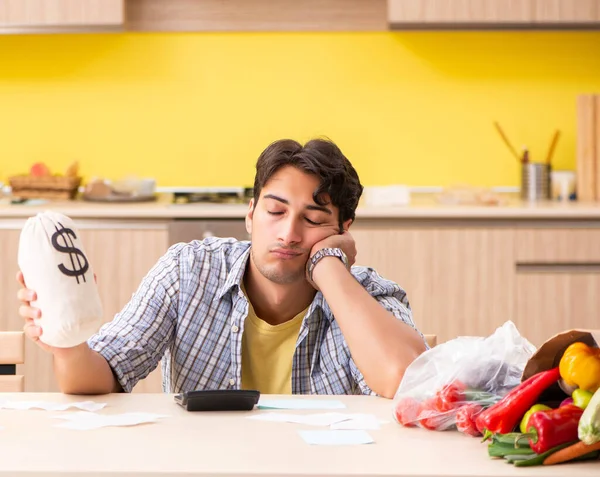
502	417
548	429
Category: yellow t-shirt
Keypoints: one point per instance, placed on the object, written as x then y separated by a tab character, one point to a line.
267	353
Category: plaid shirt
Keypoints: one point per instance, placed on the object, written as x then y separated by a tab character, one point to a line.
189	312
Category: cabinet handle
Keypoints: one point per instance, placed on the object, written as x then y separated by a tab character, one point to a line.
590	267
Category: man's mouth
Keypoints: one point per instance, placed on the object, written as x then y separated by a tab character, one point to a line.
286	253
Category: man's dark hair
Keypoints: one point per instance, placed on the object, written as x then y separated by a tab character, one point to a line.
320	157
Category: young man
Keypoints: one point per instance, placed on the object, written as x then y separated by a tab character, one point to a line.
283	313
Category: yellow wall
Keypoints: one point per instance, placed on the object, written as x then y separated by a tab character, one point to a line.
197	109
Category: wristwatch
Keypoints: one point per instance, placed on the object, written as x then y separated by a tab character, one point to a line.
322	253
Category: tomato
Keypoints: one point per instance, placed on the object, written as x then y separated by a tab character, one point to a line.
450	396
430	417
407	411
465	419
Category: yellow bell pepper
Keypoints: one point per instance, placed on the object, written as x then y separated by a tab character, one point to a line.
580	366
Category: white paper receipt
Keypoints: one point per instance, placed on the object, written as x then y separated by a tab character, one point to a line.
300	404
85	421
51	406
335	420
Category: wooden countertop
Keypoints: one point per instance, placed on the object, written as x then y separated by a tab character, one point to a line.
227	444
420	208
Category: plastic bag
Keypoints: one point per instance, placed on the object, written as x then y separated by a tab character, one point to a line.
447	386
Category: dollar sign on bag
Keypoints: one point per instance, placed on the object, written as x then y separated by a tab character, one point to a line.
78	269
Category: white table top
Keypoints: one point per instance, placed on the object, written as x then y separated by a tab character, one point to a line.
227	444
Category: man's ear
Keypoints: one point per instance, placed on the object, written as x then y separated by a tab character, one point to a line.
346	225
250	216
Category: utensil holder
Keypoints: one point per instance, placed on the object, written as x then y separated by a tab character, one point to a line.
535	181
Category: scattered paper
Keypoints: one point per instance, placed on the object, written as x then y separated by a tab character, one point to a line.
336	438
299	404
84	421
360	421
52	406
324	419
335	420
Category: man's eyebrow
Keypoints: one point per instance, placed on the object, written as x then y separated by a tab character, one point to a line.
319	207
309	207
280	199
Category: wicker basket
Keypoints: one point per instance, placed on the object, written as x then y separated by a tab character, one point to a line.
44	187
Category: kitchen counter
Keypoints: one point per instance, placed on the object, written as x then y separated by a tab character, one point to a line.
420	208
228	444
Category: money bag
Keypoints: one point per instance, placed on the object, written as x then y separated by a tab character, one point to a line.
54	265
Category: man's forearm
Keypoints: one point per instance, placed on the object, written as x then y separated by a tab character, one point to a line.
80	370
381	345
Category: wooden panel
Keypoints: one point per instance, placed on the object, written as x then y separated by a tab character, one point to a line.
587	155
597	142
119	257
472	281
548	303
431	340
12	347
573	11
458	281
558	246
12	384
256	15
403	256
47	13
460	11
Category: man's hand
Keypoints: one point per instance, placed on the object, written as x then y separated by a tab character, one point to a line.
29	313
79	370
344	241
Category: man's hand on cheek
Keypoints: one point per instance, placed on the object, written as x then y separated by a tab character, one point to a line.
344	241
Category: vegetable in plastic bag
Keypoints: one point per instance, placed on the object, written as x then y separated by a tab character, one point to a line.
457	380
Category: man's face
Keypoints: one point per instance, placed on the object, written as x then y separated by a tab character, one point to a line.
285	224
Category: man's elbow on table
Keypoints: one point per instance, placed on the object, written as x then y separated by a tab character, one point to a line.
396	367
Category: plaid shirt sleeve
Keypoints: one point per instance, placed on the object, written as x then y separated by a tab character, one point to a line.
394	299
135	340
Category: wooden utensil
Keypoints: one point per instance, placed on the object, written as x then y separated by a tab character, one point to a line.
552	147
508	144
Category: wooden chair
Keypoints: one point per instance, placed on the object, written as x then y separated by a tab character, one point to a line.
12	352
431	340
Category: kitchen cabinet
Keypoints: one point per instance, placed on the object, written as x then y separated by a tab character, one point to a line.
459	280
557	280
567	11
467	279
414	12
556	299
61	15
492	13
120	253
256	15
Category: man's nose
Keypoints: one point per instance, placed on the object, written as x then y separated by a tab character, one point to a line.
290	231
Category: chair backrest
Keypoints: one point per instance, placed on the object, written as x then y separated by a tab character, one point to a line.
431	340
12	352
